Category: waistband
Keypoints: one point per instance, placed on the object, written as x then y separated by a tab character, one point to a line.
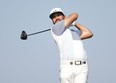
74	62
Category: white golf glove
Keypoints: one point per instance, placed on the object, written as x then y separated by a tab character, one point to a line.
73	24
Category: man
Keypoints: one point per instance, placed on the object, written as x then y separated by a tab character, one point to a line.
73	64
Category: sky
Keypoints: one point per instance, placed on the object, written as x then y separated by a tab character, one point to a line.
36	60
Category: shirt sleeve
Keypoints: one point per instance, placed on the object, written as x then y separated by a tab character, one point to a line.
59	28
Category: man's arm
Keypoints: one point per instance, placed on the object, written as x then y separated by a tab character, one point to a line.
70	19
85	33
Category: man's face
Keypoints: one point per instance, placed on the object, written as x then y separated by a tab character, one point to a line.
57	17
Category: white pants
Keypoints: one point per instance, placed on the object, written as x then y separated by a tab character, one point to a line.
73	73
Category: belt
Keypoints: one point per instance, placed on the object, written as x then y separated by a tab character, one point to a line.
77	62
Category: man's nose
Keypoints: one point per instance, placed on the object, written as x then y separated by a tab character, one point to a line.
56	17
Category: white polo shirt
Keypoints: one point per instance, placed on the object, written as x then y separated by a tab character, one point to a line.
68	42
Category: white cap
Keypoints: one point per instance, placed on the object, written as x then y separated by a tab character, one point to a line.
54	11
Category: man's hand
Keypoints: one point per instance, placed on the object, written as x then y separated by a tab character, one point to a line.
70	19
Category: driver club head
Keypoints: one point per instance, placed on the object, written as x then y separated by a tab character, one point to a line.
23	35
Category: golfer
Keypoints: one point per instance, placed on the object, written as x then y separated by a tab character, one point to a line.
73	64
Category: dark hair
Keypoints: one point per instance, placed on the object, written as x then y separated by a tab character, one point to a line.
52	15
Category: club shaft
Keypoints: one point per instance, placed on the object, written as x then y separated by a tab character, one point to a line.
38	32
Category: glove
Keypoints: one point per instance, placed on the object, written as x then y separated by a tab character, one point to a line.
73	24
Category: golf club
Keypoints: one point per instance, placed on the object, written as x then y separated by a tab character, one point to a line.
24	35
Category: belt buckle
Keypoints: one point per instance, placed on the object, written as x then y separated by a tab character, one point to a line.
77	62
